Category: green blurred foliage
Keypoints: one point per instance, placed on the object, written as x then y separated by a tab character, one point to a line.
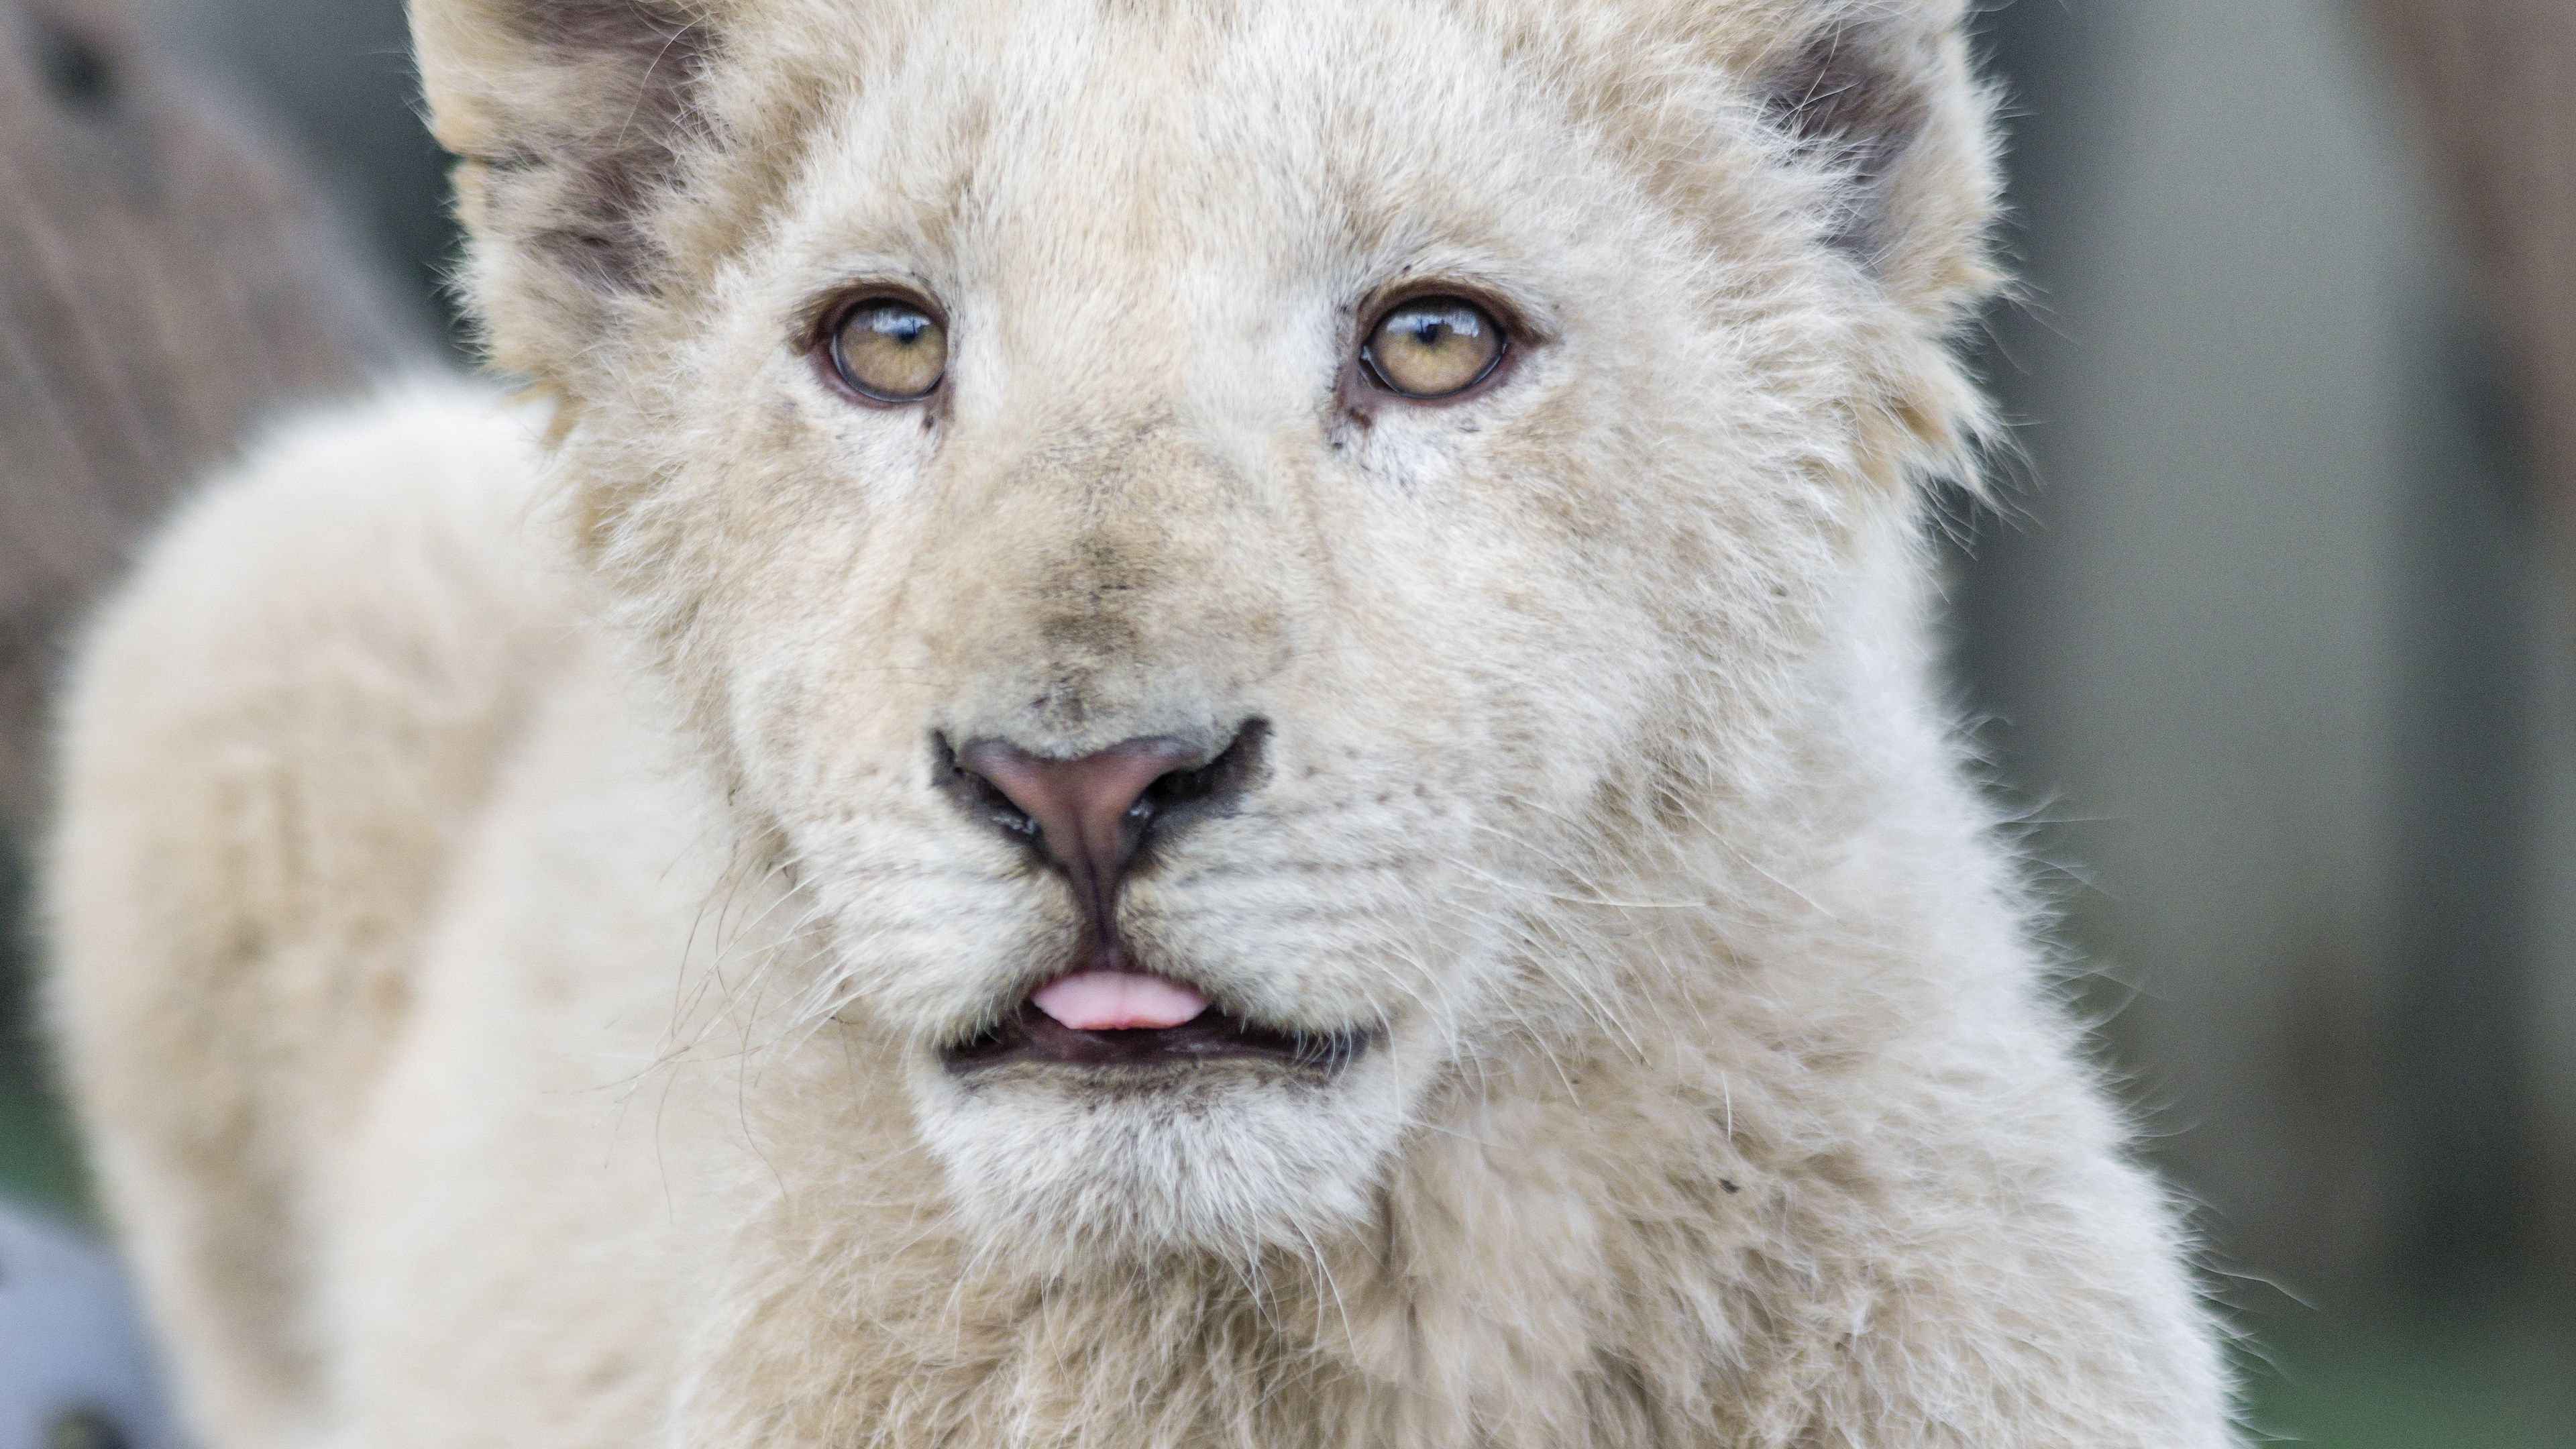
38	1162
2500	1379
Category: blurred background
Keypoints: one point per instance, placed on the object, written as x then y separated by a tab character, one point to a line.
2273	644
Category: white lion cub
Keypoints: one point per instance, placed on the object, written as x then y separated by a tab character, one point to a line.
1205	723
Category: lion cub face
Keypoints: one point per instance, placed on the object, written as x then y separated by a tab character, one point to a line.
1206	532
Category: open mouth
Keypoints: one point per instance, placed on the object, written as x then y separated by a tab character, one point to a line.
1128	1020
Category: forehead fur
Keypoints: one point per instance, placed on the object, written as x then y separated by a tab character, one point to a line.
623	149
1232	179
1134	94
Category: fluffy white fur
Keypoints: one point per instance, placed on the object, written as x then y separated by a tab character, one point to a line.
508	925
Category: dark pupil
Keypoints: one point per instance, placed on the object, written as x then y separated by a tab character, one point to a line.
1431	331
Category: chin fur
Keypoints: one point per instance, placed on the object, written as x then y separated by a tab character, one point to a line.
1070	1172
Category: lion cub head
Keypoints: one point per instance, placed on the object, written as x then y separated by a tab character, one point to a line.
1199	531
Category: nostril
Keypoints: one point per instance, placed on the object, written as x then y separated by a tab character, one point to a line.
1215	783
979	796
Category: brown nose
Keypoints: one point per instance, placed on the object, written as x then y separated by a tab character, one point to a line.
1087	816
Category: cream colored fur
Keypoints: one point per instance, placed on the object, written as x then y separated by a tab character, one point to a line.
507	923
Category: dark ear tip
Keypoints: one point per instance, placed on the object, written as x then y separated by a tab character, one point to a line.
603	26
1857	84
575	187
1857	93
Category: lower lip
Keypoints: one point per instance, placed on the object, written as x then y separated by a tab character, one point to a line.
1031	1038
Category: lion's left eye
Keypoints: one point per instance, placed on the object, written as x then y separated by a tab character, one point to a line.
1432	347
889	350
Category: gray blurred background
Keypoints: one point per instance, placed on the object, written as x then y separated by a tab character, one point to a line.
2273	645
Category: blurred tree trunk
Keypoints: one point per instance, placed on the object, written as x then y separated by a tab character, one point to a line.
166	280
2489	86
2490	81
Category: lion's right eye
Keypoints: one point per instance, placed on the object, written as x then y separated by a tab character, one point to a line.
889	350
1432	347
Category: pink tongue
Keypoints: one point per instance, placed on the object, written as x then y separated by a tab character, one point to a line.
1118	1001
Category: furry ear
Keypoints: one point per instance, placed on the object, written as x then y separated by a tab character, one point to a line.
567	118
1884	95
1850	94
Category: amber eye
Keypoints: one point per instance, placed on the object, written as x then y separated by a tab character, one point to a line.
1432	347
890	350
